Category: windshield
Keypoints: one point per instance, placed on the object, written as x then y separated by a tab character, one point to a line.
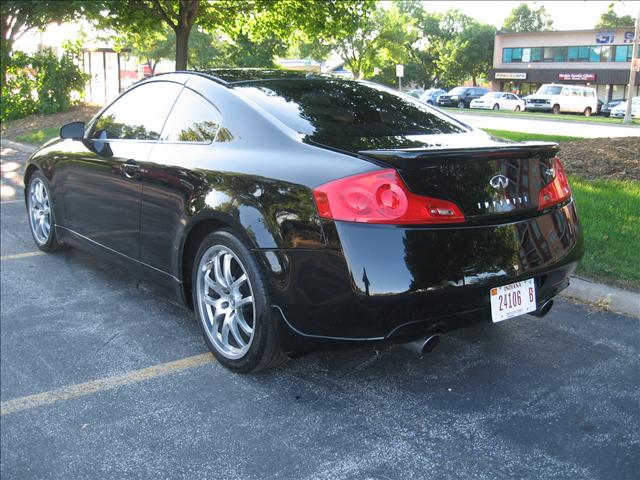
457	91
338	108
550	90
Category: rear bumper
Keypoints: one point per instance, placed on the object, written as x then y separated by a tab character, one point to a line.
386	282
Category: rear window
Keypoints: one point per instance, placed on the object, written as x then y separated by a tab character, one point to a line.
322	108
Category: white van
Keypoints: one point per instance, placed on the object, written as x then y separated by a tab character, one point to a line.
564	98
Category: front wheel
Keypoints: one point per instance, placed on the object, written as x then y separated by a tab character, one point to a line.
232	305
40	210
460	104
556	109
496	107
517	108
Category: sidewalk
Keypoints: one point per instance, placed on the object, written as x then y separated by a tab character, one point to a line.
583	290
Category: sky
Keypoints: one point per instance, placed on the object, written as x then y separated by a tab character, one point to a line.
573	15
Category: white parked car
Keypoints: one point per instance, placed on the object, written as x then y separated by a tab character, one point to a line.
564	98
621	109
499	101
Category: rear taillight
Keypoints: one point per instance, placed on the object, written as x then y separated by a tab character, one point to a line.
557	190
381	197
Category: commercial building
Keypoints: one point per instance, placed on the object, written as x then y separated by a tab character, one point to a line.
600	59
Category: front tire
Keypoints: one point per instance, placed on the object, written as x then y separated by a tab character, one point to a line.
556	109
517	108
461	104
496	107
40	211
232	305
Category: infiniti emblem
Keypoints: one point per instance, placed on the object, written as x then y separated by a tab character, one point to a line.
499	181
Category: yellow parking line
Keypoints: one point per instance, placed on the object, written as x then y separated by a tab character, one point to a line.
109	383
18	256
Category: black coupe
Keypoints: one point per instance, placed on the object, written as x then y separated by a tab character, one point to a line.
297	211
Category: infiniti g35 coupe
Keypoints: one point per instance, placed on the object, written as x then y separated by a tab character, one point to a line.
294	211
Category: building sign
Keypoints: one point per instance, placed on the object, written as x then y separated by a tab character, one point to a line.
511	75
581	77
610	37
605	37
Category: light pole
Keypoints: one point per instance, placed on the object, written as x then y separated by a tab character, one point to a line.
632	71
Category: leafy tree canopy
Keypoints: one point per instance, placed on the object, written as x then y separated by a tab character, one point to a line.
525	19
610	19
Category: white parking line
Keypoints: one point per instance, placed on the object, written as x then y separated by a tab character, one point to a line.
18	256
89	388
11	201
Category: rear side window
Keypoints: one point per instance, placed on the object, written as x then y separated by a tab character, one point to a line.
337	108
193	119
139	114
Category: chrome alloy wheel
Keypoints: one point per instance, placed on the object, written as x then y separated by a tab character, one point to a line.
39	211
225	300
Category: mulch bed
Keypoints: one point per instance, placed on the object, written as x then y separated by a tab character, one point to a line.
13	128
603	158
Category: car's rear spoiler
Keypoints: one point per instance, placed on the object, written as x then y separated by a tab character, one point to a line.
407	157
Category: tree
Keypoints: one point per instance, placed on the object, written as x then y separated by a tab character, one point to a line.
150	47
19	16
524	19
610	19
145	17
471	54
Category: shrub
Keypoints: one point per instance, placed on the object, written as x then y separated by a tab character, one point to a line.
40	83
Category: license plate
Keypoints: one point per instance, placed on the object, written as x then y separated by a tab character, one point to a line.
512	300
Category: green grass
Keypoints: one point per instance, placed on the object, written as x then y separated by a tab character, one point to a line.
37	137
609	212
523	136
539	115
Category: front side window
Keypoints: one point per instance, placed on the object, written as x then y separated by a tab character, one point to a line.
192	119
138	114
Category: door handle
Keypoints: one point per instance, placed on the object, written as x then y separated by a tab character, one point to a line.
130	169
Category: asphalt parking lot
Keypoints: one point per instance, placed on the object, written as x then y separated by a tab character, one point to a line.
103	378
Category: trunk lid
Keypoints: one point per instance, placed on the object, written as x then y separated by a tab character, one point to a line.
488	178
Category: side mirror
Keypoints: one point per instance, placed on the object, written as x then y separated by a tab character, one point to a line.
73	130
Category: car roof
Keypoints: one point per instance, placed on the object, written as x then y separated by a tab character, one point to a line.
237	75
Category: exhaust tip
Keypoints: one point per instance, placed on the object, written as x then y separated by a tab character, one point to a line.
543	310
423	345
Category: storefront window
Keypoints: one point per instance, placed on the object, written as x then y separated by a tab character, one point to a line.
573	54
623	53
560	54
506	55
583	54
548	54
536	54
605	53
594	54
516	55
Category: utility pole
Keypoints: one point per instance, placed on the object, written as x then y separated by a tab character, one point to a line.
632	70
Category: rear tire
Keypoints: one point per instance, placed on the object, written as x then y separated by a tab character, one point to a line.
40	211
517	108
232	305
496	107
556	109
461	104
587	112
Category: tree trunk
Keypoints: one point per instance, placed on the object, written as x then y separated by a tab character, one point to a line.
182	46
473	79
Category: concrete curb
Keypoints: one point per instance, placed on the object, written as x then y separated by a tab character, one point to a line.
585	291
603	296
19	146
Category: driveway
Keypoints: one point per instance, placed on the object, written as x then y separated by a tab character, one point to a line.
547	127
101	377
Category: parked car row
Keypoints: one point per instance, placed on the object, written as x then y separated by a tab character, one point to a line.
552	98
619	110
